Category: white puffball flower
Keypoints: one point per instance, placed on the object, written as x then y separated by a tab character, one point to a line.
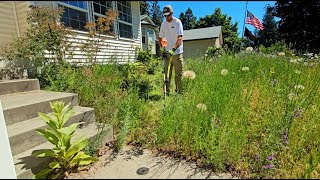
201	106
189	74
292	96
297	71
249	49
245	69
224	72
294	61
281	54
299	87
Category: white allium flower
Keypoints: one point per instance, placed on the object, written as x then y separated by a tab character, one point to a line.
224	72
189	74
299	87
297	71
292	96
294	61
245	69
249	49
281	54
201	106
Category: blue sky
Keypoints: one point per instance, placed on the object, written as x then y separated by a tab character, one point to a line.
234	9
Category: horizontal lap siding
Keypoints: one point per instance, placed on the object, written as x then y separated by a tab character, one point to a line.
8	28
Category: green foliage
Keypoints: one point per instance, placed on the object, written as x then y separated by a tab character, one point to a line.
155	13
144	8
213	51
44	36
66	154
268	35
298	25
229	30
188	19
276	48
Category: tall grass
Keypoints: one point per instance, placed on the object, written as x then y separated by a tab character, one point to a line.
260	123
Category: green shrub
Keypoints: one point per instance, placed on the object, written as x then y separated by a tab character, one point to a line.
66	154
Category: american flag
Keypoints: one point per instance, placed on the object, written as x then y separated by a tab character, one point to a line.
251	19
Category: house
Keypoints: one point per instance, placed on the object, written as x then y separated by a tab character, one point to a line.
197	41
149	34
127	27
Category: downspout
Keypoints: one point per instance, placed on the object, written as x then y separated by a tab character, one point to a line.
16	18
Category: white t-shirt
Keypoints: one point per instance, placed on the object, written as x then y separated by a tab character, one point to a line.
171	31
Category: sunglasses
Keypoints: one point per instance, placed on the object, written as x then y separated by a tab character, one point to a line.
167	15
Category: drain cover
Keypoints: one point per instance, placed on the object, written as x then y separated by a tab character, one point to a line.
142	170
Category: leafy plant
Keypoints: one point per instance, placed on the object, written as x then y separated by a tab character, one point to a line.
66	154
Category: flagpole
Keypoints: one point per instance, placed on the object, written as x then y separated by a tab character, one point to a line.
244	21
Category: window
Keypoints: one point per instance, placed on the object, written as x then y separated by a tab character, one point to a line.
75	15
144	35
100	9
125	19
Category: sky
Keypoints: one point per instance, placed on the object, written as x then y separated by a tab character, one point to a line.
234	9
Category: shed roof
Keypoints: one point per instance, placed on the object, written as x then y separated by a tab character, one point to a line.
202	33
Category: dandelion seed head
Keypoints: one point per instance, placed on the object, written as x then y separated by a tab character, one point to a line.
281	54
189	74
202	106
249	49
245	69
224	72
294	61
292	96
299	86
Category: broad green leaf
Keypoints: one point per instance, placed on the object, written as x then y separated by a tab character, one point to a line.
42	174
70	129
52	138
86	161
76	146
58	150
48	120
44	153
54	165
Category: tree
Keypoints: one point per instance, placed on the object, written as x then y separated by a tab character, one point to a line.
299	24
144	8
156	13
190	21
268	35
229	30
182	18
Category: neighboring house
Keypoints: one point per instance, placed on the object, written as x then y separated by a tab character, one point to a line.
127	27
149	34
197	41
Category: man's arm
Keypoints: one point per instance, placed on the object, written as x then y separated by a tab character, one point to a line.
178	42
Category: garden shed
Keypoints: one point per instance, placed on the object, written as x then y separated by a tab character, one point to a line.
197	41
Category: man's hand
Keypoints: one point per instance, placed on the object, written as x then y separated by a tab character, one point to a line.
171	52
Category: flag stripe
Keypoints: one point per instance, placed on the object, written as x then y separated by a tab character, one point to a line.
251	19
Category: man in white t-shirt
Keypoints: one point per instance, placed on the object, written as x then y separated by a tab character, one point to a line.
172	31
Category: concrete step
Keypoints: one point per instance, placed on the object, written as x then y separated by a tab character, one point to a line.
23	106
20	85
23	135
26	165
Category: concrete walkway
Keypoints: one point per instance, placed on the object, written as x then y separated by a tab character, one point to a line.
126	163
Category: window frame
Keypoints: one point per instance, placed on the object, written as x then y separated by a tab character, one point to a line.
126	23
102	15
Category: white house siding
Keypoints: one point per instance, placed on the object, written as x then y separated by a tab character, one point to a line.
123	50
13	19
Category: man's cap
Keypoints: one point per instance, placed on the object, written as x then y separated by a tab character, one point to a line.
167	10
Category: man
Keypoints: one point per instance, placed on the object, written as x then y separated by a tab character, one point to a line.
172	31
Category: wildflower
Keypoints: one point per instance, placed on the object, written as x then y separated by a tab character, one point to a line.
294	61
285	136
256	156
268	166
224	72
299	87
297	113
297	71
201	106
249	49
281	54
300	59
292	96
219	56
270	157
189	74
245	69
206	55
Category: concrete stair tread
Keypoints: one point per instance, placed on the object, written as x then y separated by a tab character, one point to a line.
26	165
15	100
36	123
18	85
